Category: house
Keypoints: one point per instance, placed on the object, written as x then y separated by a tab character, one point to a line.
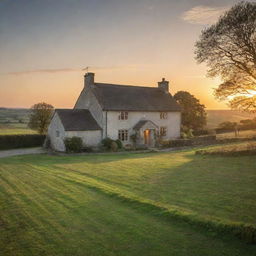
133	114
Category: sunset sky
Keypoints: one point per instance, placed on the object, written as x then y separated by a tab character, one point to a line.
46	44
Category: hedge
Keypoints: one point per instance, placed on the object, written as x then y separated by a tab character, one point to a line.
21	141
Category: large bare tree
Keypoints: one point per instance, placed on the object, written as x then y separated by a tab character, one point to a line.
229	50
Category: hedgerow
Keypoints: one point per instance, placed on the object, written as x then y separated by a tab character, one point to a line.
21	141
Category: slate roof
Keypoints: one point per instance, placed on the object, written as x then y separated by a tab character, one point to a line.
77	120
133	98
141	123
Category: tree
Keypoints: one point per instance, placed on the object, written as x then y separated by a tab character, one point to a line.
229	50
193	113
229	126
40	117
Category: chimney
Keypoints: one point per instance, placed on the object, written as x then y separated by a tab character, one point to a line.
164	85
88	80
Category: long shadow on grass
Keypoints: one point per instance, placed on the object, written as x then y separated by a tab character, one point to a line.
69	159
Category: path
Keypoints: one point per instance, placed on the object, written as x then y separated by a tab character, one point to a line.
21	151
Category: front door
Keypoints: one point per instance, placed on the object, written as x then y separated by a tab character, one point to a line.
147	137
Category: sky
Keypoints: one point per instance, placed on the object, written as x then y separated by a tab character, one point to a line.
45	46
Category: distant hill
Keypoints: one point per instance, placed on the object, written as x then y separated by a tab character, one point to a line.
215	117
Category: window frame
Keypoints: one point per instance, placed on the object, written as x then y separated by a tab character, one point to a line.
163	115
123	115
123	135
163	131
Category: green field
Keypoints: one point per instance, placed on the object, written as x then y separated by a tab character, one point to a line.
14	121
15	131
84	205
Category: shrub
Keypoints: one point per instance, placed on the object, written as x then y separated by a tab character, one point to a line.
119	144
114	146
107	143
21	141
141	147
47	143
74	144
133	138
87	149
200	132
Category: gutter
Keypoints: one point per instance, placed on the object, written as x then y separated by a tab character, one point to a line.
106	124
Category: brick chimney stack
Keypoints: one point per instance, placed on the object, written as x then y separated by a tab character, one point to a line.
88	80
164	85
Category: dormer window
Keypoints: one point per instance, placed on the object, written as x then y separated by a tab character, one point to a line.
123	115
163	115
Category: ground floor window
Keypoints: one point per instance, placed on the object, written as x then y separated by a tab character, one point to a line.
163	131
123	135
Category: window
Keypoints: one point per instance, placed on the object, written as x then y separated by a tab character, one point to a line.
163	115
57	133
163	131
123	135
123	115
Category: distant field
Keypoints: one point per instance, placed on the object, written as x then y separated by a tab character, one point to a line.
215	117
14	116
14	121
241	134
72	205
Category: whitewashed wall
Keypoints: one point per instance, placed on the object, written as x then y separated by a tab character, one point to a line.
57	143
90	138
172	123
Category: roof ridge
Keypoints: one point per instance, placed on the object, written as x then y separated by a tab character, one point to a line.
123	85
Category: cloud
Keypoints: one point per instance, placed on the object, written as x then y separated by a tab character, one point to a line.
204	15
27	72
64	70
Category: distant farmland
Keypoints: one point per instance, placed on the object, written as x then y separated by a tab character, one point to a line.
215	117
14	121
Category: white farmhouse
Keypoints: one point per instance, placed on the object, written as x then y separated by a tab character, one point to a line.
133	114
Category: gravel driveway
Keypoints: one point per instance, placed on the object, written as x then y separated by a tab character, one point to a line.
21	151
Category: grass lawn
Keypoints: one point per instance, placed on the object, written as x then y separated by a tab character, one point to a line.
52	205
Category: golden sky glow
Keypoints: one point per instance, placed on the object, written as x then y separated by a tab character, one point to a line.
45	45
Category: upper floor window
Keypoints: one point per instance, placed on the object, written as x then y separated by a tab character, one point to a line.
123	115
163	131
163	115
123	135
57	133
